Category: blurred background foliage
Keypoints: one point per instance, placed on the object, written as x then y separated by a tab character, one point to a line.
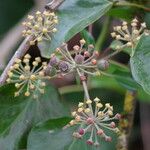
111	90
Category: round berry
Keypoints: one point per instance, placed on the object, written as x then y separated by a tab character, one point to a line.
103	64
63	66
79	59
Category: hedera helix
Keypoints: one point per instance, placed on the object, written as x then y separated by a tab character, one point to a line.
82	60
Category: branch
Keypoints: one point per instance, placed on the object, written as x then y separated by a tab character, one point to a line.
25	45
54	4
18	54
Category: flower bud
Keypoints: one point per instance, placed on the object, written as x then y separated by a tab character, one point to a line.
81	131
89	142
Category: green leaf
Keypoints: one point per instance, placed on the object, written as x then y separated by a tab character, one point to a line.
87	37
74	16
125	13
50	135
140	66
18	115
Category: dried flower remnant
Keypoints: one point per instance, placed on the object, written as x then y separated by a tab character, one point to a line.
95	121
79	59
41	26
128	35
26	78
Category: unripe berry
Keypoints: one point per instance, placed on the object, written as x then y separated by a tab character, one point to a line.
103	64
100	132
86	54
79	59
63	66
117	116
112	125
94	61
89	142
53	61
81	131
90	121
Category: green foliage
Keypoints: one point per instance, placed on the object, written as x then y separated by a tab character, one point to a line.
18	115
74	16
26	123
140	63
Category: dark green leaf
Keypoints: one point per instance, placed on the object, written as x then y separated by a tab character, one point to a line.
125	13
74	16
50	136
88	37
140	65
18	115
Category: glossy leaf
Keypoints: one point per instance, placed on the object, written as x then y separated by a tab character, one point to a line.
140	65
18	115
74	16
50	135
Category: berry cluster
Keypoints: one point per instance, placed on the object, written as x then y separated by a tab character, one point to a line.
79	59
128	35
41	26
26	77
94	121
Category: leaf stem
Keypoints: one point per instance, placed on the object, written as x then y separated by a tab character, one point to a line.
132	5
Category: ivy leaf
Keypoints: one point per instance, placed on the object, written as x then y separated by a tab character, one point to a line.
50	135
88	37
140	66
18	115
74	16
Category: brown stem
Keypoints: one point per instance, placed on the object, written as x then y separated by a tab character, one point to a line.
54	4
25	45
18	54
90	28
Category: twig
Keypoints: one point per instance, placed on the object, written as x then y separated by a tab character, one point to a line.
54	4
25	45
18	54
90	28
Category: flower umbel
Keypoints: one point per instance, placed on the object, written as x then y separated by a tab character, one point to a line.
80	59
94	121
128	35
26	77
41	26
